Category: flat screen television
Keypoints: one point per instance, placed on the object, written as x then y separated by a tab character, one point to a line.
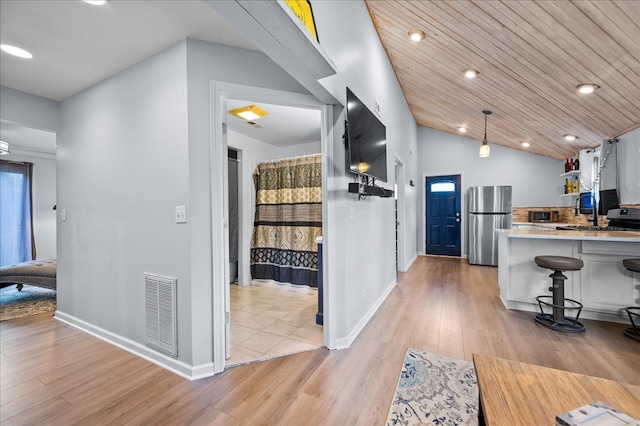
366	140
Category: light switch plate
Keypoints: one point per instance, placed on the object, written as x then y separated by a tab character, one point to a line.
181	214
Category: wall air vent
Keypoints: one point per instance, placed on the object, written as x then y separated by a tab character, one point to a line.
160	314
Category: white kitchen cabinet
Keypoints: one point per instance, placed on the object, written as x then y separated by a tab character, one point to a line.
605	285
520	279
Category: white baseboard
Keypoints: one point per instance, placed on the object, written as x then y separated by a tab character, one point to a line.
585	314
413	259
178	367
345	342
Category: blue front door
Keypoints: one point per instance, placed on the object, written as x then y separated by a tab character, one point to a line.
443	215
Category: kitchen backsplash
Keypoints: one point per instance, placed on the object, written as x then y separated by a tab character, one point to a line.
566	214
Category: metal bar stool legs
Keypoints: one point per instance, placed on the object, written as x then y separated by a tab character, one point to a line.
634	330
632	265
557	320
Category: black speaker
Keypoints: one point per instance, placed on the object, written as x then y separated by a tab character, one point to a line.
361	189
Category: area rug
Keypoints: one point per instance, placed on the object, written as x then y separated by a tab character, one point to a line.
30	301
435	390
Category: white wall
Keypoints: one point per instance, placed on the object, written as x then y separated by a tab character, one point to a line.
44	198
130	150
123	166
628	161
29	110
253	152
535	179
362	252
299	150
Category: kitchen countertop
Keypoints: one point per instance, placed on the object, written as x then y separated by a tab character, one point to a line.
622	236
551	225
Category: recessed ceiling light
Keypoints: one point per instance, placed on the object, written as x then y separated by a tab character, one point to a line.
526	144
462	129
16	51
587	88
95	2
470	73
569	137
416	35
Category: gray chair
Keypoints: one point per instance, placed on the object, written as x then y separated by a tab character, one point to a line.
632	265
557	320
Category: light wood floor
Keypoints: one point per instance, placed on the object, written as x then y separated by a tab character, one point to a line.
53	374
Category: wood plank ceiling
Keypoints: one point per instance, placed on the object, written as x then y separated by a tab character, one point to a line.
531	55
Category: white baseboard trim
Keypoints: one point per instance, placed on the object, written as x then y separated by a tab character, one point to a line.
180	368
345	342
585	314
413	259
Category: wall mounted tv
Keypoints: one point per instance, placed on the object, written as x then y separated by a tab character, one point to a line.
366	140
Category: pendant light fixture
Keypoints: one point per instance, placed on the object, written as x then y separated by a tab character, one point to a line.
485	148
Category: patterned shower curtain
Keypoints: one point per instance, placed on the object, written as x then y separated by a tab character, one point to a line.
288	219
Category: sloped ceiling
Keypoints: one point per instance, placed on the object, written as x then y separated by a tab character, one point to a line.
531	55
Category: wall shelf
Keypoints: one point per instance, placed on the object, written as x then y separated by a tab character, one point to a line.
571	173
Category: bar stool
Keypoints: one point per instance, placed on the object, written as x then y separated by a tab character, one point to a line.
557	321
632	265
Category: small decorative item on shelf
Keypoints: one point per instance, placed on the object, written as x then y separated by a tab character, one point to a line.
571	165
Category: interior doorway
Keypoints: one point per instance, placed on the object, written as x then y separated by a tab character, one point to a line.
250	317
443	215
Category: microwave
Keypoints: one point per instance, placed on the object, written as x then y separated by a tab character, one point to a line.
544	216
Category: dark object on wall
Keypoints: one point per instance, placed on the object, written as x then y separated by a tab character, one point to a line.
233	213
411	183
362	189
366	140
608	201
320	313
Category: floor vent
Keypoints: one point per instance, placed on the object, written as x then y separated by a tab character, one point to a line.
160	314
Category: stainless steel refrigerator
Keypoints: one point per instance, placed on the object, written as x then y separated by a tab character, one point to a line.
489	209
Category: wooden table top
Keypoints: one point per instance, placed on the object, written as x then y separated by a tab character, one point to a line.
515	393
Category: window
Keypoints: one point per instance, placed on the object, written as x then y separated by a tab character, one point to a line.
16	224
443	187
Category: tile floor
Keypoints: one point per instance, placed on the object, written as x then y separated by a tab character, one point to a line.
270	319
